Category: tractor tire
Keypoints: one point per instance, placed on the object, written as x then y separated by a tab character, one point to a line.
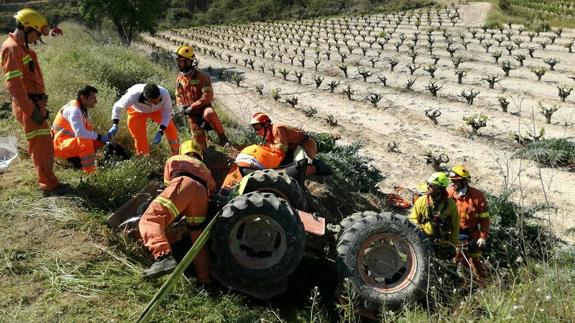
258	236
386	258
280	184
348	221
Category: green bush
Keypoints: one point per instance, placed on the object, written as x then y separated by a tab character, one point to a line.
556	152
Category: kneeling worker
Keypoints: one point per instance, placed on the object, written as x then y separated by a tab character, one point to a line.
285	138
74	135
189	184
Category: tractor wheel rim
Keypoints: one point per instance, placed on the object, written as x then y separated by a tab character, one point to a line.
387	262
257	241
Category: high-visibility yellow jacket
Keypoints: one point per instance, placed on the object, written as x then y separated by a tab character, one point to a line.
422	216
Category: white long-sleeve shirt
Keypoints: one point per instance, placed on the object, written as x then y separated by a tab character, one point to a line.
77	121
134	97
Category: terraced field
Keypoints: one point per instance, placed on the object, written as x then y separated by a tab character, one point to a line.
402	84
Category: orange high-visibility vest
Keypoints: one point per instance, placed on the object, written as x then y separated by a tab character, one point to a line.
61	128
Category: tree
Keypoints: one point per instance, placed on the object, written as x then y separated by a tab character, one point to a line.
129	17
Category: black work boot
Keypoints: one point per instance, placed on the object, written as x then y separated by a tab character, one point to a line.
223	139
61	189
162	266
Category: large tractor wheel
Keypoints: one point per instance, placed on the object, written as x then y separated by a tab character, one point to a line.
259	236
282	185
348	221
386	258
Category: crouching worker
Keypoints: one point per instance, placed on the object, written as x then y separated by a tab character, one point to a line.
189	183
436	215
74	135
288	139
252	157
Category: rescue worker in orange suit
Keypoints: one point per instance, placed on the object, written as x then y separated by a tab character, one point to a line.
473	218
285	138
194	95
23	79
436	215
146	102
189	184
254	157
74	135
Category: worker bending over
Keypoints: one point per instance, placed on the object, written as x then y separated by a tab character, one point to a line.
189	184
289	140
74	135
194	94
146	102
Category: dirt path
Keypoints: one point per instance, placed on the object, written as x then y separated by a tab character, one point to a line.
475	13
400	116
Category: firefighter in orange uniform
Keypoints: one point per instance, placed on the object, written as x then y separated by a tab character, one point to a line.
189	185
146	102
285	138
23	79
74	137
194	95
474	221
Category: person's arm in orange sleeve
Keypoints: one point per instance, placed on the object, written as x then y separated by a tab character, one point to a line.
280	136
13	80
484	218
207	93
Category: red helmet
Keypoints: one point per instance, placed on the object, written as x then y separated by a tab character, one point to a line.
260	118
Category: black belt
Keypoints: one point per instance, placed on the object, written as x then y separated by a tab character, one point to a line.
35	97
196	178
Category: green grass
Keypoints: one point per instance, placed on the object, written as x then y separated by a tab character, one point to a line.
501	15
60	262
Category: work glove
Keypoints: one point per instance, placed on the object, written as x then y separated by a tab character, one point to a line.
481	242
157	137
103	138
37	116
113	131
189	111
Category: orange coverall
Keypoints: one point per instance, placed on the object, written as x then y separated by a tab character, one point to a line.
473	213
189	184
139	111
194	89
23	77
69	144
287	138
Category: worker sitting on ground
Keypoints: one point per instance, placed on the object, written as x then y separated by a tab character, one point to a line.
473	213
143	102
74	135
189	184
436	215
194	95
252	157
289	140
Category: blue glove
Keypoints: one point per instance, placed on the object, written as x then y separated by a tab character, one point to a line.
113	131
157	137
104	138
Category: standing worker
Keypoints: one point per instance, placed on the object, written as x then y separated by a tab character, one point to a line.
143	102
74	135
194	95
436	215
287	139
189	184
473	213
23	79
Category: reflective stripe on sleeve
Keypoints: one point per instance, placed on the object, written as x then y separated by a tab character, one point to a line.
168	204
26	59
12	74
196	219
484	215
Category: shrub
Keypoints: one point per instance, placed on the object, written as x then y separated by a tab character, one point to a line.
556	152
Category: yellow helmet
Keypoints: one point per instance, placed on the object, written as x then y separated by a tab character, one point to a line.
192	146
460	172
438	178
33	19
186	51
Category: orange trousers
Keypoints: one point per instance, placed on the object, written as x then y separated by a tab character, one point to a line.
40	148
182	196
199	134
137	127
85	149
